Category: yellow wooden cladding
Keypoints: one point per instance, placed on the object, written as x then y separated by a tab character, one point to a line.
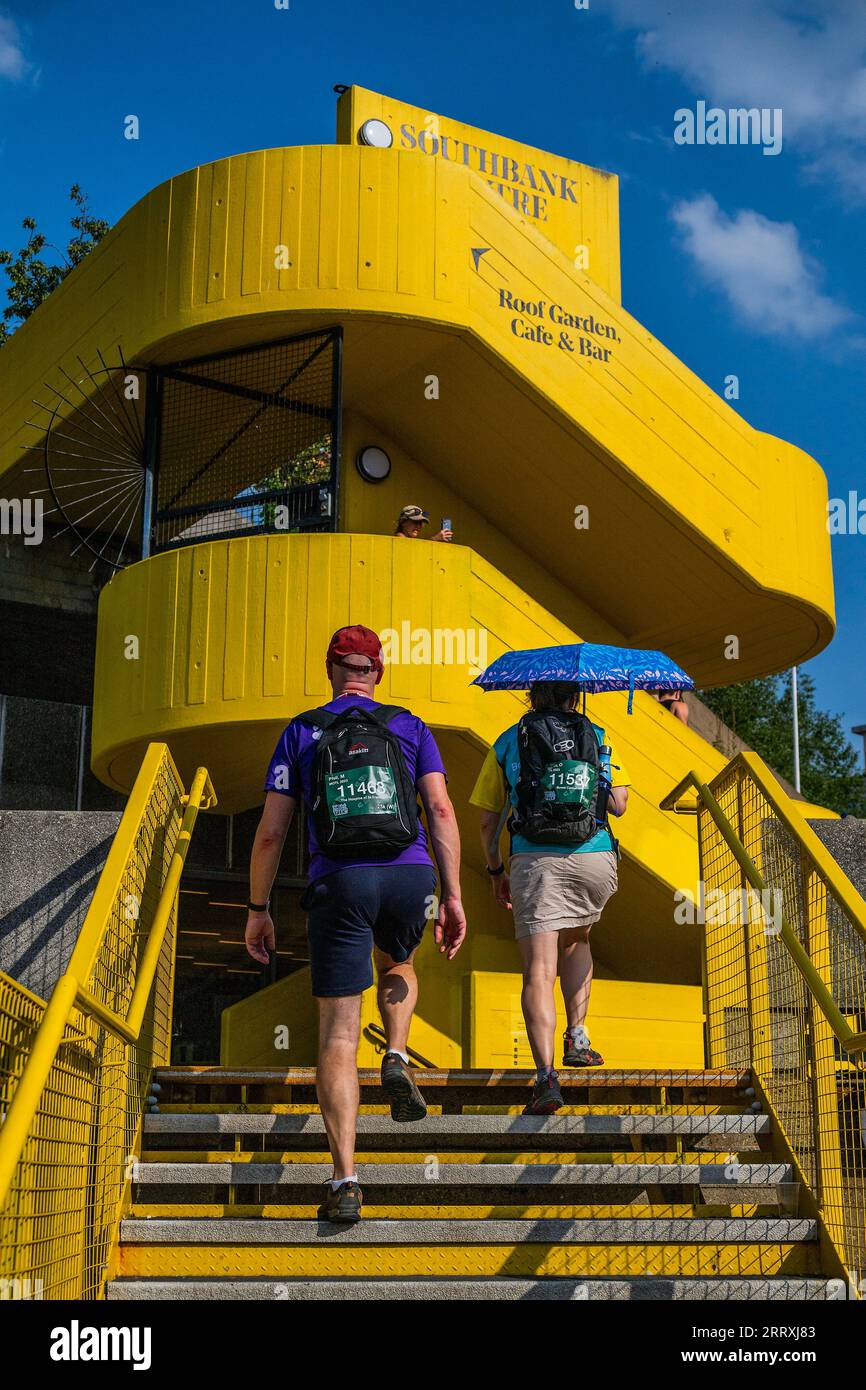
573	205
232	637
700	527
472	1017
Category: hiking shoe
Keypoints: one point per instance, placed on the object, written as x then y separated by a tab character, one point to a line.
343	1205
546	1096
579	1054
398	1083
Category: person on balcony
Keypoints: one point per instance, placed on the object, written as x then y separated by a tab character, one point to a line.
674	701
360	767
560	782
410	521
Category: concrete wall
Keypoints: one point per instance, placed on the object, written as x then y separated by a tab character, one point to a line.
846	841
48	619
49	574
51	861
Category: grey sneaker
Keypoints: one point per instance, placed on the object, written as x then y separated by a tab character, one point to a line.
398	1083
546	1096
343	1205
574	1055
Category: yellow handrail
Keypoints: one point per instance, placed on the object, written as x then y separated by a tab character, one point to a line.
803	833
774	999
71	992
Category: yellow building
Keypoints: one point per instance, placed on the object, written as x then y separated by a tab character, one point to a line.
238	390
449	299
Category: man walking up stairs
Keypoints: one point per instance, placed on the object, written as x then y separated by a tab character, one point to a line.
360	768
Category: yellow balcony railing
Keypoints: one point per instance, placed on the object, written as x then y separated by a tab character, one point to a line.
75	1073
784	965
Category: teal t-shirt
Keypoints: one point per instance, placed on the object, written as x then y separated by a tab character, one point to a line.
506	753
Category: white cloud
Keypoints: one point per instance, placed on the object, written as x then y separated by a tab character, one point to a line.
13	64
809	60
760	266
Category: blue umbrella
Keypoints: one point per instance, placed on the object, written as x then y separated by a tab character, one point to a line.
590	666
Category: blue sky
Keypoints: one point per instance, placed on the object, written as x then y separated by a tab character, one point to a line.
739	262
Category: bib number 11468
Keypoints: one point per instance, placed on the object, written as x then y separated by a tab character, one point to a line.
365	791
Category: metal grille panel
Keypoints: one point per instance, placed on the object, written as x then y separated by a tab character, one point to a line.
246	442
58	1227
760	1011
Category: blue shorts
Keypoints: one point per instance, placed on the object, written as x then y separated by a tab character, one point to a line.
352	910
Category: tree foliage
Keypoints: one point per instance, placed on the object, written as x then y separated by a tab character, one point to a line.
761	713
31	277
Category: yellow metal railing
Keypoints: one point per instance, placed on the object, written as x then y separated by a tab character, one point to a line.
784	966
75	1072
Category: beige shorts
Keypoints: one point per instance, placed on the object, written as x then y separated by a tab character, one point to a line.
551	892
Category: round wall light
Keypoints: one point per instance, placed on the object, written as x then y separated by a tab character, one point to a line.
373	464
375	132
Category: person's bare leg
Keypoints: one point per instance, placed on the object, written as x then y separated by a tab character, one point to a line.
337	1077
397	990
539	955
575	973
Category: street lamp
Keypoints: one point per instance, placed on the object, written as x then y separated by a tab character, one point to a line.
796	711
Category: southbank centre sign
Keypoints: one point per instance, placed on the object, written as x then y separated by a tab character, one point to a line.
575	206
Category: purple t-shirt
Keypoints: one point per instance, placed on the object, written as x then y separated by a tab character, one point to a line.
291	772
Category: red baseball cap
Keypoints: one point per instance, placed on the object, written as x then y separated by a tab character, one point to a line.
357	641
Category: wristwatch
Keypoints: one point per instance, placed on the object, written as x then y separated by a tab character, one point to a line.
258	907
494	873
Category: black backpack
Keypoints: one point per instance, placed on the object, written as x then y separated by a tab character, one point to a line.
560	798
364	803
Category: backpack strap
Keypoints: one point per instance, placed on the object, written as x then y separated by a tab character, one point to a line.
385	713
319	718
325	718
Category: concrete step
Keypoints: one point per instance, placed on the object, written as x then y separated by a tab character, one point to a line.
480	1079
732	1178
629	1231
654	1290
454	1089
464	1127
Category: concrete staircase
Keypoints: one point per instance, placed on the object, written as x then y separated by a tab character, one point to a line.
647	1185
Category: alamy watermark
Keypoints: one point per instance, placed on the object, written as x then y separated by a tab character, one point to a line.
77	1343
737	126
714	906
846	516
435	646
19	1289
22	517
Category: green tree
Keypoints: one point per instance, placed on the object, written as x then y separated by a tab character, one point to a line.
32	278
311	464
760	712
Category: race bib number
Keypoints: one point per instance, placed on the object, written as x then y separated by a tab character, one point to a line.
570	781
365	791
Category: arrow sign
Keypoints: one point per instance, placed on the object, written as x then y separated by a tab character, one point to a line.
478	252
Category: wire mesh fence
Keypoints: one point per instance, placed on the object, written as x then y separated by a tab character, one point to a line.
246	442
59	1224
762	1013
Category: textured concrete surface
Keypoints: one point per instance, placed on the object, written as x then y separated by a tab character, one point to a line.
484	1083
477	1174
51	861
656	1290
846	841
463	1126
454	1231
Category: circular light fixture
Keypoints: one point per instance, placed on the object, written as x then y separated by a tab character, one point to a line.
373	464
376	132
